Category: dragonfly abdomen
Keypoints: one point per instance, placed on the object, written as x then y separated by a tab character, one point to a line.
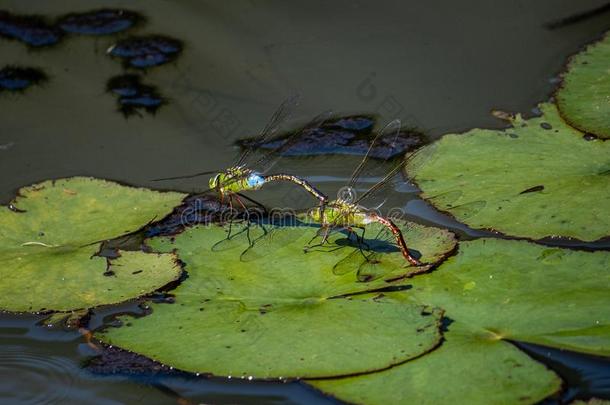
299	181
400	240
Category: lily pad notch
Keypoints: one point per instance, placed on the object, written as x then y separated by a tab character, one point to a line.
51	234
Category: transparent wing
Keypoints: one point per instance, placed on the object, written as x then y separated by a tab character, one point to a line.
273	155
369	170
390	132
277	119
386	183
408	166
188	176
376	257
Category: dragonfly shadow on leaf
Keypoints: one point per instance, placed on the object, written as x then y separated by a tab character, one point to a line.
372	258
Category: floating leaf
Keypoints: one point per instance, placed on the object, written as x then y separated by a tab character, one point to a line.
537	179
237	318
496	291
584	96
51	233
471	370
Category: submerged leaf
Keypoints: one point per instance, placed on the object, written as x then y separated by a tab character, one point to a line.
51	233
238	317
493	292
584	96
350	135
538	179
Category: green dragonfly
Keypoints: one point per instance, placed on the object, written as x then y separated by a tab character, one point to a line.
247	174
345	214
348	212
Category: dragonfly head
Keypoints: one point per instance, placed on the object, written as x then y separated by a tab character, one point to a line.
215	182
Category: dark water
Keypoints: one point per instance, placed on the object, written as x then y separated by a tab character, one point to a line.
439	65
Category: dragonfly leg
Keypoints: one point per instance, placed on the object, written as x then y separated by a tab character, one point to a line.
359	240
324	232
230	216
261	206
366	245
241	203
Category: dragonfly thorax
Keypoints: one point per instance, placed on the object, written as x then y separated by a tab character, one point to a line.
341	213
237	179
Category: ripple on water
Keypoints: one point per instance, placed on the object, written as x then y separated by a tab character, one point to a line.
42	379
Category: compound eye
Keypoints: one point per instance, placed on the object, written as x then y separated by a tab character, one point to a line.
214	181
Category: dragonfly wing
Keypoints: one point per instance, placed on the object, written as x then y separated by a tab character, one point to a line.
365	167
411	164
271	157
349	264
277	119
188	176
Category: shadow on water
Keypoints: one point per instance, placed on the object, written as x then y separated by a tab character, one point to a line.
585	376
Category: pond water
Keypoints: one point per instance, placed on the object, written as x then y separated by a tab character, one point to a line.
439	66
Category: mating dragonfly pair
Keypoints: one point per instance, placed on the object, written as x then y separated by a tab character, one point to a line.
344	213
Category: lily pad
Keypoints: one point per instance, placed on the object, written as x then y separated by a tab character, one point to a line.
242	316
584	96
471	370
496	291
538	179
51	232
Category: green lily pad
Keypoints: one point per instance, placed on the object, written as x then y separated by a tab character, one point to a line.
286	314
496	291
470	368
51	234
584	96
538	179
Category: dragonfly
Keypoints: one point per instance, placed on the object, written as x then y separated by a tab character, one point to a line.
248	174
348	212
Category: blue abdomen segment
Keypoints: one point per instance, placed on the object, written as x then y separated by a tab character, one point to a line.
255	180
